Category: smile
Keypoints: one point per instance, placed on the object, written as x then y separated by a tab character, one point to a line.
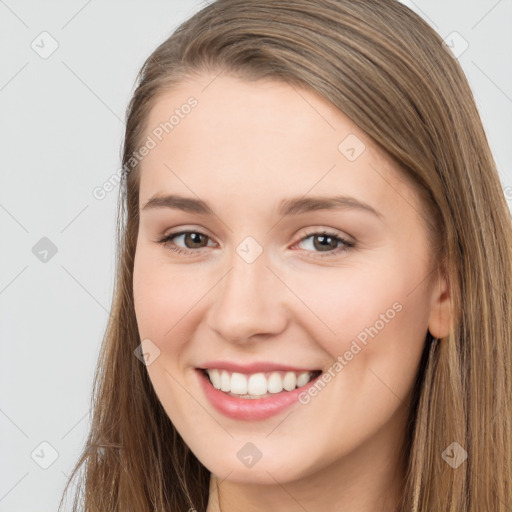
254	392
258	385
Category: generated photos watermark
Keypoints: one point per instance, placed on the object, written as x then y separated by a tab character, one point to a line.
151	142
357	345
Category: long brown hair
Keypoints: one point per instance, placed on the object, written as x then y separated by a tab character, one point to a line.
387	70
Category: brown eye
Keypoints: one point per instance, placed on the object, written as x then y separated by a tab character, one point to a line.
328	244
194	240
185	242
325	242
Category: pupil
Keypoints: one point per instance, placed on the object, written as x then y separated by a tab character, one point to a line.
196	238
330	241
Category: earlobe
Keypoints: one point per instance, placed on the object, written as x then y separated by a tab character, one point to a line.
441	309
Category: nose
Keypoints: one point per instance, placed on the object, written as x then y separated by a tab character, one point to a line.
248	303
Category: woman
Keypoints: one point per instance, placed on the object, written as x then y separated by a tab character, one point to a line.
312	307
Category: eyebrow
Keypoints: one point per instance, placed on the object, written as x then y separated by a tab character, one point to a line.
287	207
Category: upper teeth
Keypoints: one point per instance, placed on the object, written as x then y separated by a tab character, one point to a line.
257	384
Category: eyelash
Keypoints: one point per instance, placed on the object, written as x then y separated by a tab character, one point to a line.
347	245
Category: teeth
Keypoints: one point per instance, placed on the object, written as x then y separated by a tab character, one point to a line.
289	381
215	378
225	381
275	383
257	384
238	384
303	378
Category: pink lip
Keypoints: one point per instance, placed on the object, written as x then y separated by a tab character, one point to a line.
246	408
253	367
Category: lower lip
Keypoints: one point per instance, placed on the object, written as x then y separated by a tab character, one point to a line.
250	409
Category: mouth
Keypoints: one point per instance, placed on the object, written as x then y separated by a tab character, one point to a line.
254	391
260	385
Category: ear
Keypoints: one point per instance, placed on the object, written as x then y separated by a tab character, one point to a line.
441	310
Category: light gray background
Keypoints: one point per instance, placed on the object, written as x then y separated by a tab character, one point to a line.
61	128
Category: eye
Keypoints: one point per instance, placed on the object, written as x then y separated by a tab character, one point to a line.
191	239
326	242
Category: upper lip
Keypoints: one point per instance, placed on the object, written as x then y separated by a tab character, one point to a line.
256	367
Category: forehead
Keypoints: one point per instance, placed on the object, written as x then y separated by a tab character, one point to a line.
224	135
229	109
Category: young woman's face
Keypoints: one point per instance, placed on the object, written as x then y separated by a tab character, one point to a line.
294	247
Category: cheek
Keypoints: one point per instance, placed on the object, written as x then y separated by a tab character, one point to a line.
369	319
164	301
162	296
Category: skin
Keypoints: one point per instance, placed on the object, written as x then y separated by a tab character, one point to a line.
243	149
